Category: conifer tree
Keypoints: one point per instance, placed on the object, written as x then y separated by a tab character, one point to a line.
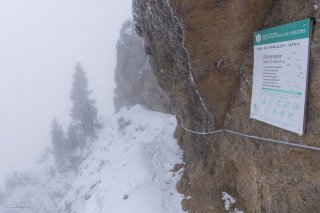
58	141
83	112
73	137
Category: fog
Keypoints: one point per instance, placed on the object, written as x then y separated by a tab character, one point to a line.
40	43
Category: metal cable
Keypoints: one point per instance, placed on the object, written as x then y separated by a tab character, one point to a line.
270	140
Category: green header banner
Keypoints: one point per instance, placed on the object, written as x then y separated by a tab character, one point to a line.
287	32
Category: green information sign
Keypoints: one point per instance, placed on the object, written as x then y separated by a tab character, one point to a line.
281	58
287	32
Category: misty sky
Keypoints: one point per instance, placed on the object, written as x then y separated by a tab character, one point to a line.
40	42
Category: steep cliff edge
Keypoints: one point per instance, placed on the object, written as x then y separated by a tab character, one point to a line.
202	55
134	77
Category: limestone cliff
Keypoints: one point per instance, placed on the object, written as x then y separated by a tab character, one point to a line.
202	55
135	80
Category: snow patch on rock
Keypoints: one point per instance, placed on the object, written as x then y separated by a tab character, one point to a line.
228	202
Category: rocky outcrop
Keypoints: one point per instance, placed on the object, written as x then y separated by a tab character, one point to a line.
202	55
135	80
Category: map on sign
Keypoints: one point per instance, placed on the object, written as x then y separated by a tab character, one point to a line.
280	75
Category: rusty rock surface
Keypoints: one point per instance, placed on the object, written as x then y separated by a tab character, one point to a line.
202	54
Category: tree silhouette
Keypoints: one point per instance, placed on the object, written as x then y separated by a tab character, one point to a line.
58	141
83	112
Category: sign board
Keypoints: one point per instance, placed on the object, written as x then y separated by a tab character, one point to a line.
280	75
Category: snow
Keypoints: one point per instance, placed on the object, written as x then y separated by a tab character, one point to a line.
128	169
228	202
40	190
138	151
129	31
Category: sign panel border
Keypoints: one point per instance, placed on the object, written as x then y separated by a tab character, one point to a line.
296	33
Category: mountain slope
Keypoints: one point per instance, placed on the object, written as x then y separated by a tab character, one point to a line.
126	170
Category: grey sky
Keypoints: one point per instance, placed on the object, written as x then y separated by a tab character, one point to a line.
40	42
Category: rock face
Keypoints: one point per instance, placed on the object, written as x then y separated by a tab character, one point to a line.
202	55
135	80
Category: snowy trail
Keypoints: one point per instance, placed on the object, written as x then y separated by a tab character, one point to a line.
130	168
127	170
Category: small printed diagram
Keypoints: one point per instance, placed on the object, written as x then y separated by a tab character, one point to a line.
286	105
278	108
290	115
274	112
295	106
